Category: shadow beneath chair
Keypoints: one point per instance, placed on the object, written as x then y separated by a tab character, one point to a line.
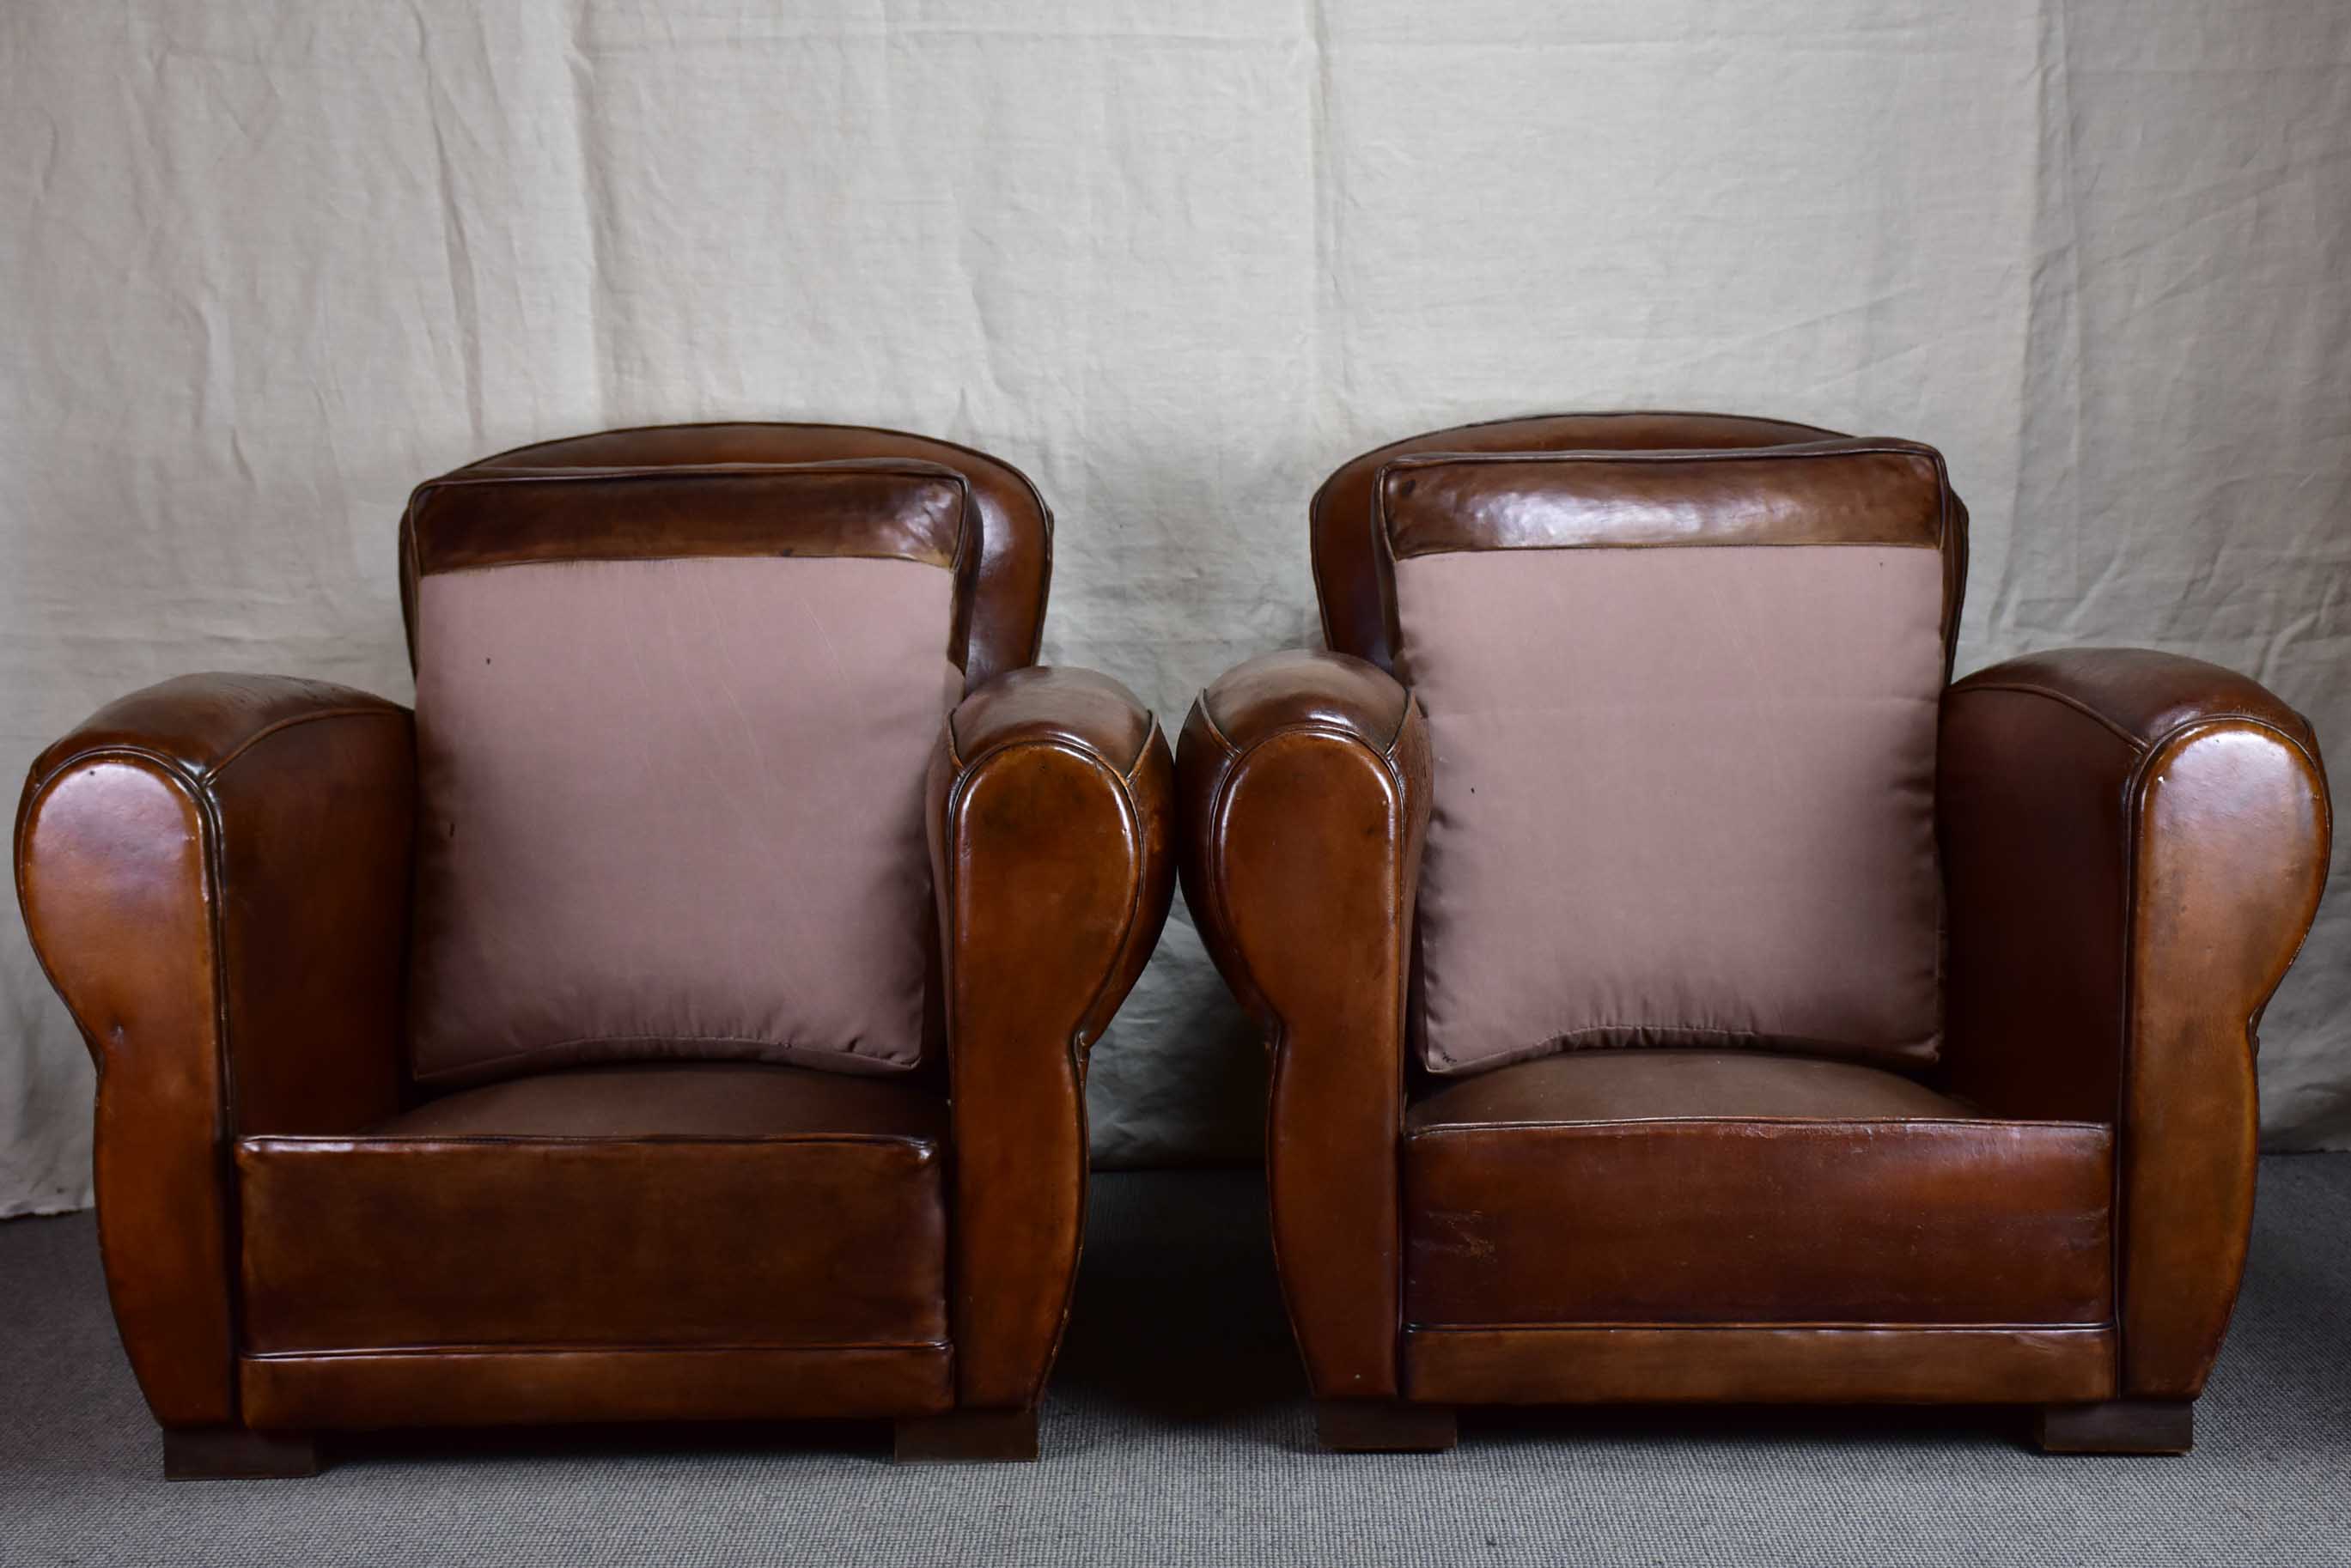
1640	1426
655	1440
1177	1314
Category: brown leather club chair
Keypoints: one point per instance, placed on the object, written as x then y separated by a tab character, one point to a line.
591	1046
1677	992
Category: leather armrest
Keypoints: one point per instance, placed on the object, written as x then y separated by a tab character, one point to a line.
214	875
2134	845
1304	780
1050	810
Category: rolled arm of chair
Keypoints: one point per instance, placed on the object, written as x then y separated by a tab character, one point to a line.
214	875
1304	778
1050	812
2134	846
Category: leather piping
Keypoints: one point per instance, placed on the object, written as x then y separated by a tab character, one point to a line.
2150	750
468	1347
1278	1038
193	783
199	795
1127	808
1386	749
271	1142
1036	500
1842	447
1438	1129
1918	1054
1036	497
915	468
1079	1050
1860	1325
1069	743
471	1074
1314	506
2139	742
174	776
2134	799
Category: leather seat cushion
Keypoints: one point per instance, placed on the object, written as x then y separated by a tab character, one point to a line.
675	1205
1708	1187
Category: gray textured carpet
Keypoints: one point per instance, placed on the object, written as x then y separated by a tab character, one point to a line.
1177	1433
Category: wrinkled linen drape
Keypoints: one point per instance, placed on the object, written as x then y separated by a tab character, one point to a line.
265	265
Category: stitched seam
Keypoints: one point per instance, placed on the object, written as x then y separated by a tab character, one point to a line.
596	560
916	468
1580	1123
1843	1047
1826	434
411	579
169	772
863	468
1597	546
1827	1326
2231	716
1789	451
1076	745
213	852
1316	727
2028	688
644	1039
270	1143
1076	1055
1793	452
1317	506
768	424
1277	1037
492	1347
1080	1055
1140	752
1209	717
195	778
1400	1030
214	771
1314	510
2136	800
467	1069
1411	701
997	465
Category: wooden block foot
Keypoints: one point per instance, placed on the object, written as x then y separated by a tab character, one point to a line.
967	1437
1384	1427
238	1453
2118	1426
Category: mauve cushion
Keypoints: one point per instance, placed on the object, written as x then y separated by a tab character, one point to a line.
673	809
1682	796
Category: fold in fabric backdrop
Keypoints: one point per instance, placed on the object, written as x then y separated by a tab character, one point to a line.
264	266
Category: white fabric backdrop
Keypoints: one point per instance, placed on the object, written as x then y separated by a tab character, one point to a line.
265	266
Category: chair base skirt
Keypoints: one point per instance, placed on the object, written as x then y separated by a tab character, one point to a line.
967	1437
1385	1426
1760	1365
2118	1426
480	1387
238	1453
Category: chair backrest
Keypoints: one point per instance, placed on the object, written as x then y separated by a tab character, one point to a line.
1681	675
676	691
